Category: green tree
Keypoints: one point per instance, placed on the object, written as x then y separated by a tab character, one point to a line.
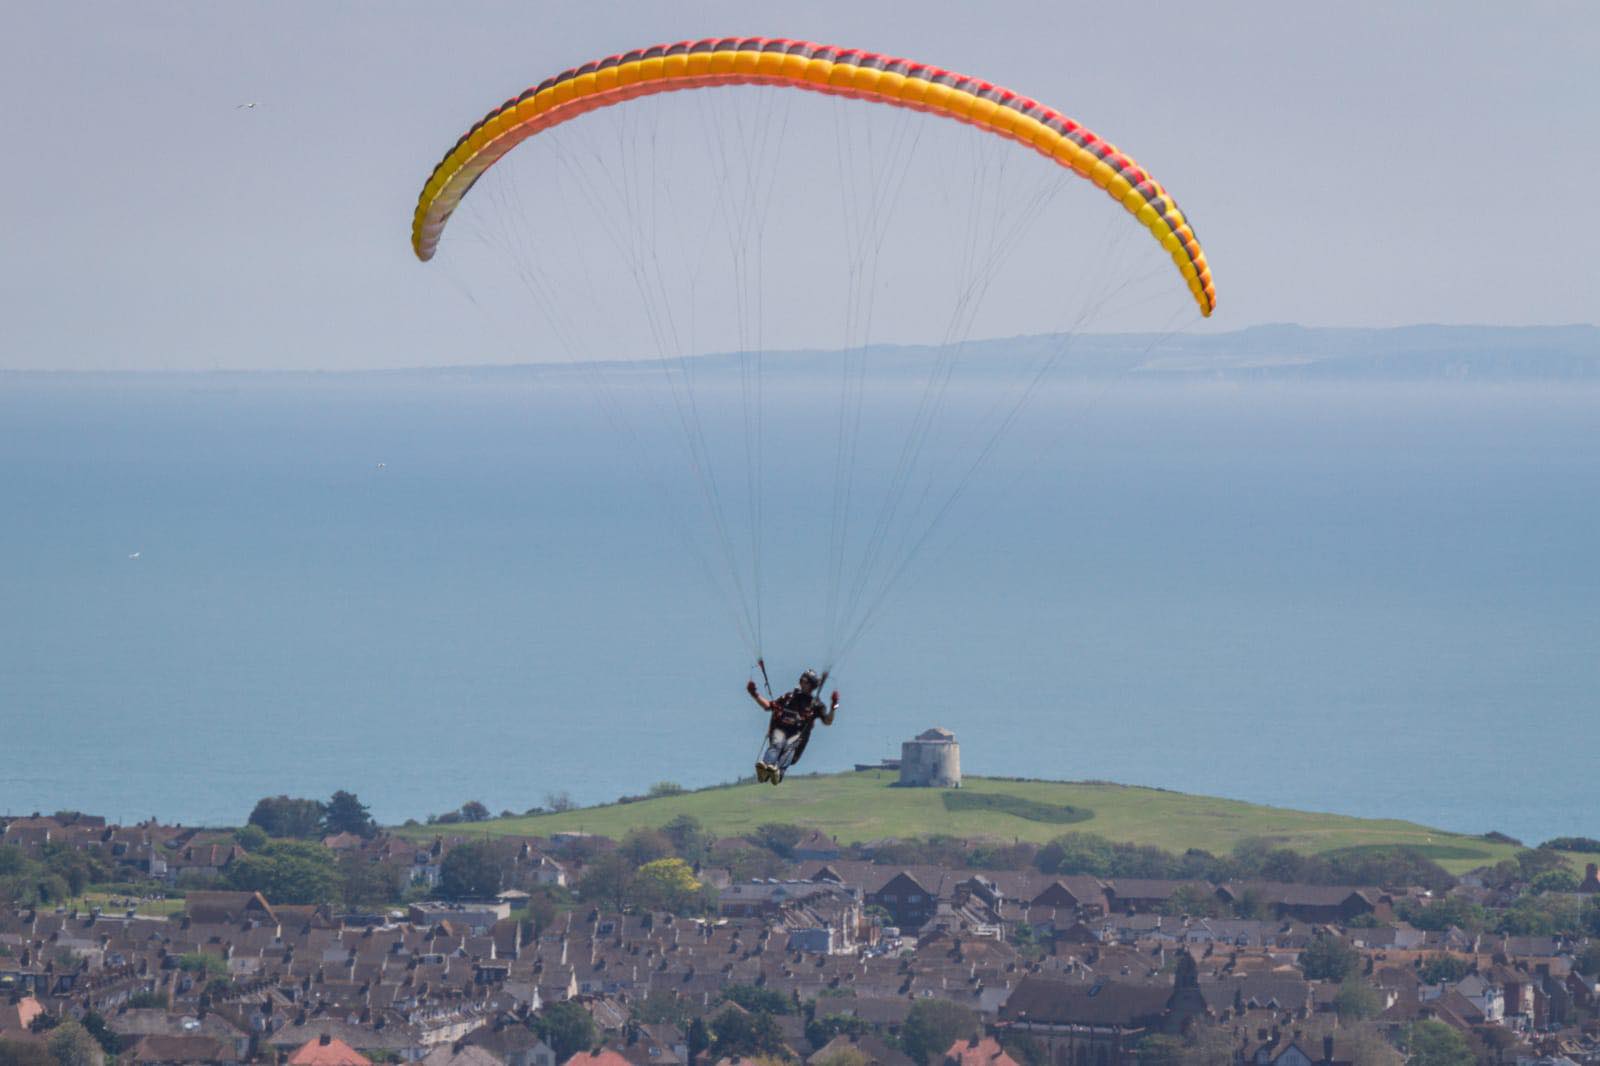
472	871
1075	853
608	882
347	814
251	837
1328	958
364	883
824	1027
666	788
1562	880
1196	901
18	1053
542	910
665	884
72	1045
283	816
1159	1049
1445	969
1535	861
643	846
1357	1001
698	1038
566	1027
933	1025
758	1000
778	838
660	1006
95	1025
1442	914
739	1032
689	838
1433	1043
287	871
473	811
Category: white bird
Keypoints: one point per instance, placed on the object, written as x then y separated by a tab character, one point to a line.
382	465
248	107
135	555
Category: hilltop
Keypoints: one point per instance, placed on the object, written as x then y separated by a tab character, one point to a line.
862	806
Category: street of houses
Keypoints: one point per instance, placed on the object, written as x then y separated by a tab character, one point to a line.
1078	970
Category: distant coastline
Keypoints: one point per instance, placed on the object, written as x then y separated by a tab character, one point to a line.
1278	352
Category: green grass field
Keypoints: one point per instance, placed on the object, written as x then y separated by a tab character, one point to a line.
862	806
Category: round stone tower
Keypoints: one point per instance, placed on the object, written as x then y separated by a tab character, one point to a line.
932	760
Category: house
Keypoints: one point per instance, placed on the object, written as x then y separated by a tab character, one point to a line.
1297	1051
327	1050
17	1018
1137	895
1336	904
816	846
907	900
161	1050
228	908
974	1051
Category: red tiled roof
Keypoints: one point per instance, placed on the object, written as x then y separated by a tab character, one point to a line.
328	1051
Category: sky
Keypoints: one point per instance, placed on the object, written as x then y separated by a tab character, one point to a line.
1358	164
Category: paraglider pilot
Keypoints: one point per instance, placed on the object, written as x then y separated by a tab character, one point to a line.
794	714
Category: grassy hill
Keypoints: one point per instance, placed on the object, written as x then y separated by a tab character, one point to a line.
863	806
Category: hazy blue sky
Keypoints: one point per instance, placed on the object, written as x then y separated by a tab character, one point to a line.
1349	164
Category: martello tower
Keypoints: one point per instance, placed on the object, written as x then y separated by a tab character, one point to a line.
932	760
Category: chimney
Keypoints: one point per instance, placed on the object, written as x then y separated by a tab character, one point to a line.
325	1039
1327	1049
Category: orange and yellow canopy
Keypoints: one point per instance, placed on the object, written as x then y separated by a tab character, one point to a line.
817	68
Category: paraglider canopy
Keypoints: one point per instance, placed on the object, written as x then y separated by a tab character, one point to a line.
819	68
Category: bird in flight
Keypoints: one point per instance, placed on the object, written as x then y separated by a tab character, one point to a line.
135	555
248	107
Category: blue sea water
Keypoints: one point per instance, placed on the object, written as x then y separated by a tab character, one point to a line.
1375	599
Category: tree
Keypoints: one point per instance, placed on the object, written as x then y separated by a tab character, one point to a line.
1445	969
251	837
1442	914
824	1027
542	911
699	1038
72	1045
641	846
566	1027
1328	958
933	1025
689	838
473	811
1433	1043
1357	1001
1535	861
95	1025
662	789
847	1056
665	884
363	883
287	871
607	881
778	838
1562	880
758	1000
660	1006
739	1032
345	813
1194	901
559	801
17	1053
472	871
1158	1049
282	816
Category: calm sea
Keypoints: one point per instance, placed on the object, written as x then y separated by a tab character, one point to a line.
1372	599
